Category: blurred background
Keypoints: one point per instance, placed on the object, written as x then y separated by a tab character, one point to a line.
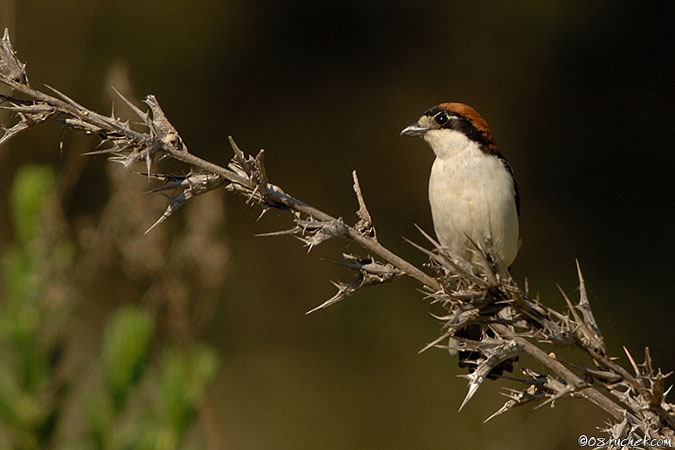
210	319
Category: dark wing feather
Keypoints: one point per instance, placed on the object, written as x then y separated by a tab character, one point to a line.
515	185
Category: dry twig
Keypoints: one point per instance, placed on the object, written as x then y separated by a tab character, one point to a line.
472	294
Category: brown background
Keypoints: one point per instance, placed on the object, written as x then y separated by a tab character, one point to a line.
579	97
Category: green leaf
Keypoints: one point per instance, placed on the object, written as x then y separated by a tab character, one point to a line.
126	345
98	412
184	380
29	190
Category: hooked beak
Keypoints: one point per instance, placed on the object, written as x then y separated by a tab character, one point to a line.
414	129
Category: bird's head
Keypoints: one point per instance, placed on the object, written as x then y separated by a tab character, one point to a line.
449	127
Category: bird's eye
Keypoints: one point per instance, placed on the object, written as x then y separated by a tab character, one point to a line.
441	118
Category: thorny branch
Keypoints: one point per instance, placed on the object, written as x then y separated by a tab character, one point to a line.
473	295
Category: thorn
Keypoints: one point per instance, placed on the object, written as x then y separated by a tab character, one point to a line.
500	411
427	236
342	293
583	296
365	223
161	219
105	151
436	341
174	204
278	233
141	114
64	97
260	166
449	263
570	306
148	164
239	155
250	198
632	361
473	388
263	211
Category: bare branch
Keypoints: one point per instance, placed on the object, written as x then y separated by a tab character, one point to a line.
496	352
369	273
485	316
11	69
365	223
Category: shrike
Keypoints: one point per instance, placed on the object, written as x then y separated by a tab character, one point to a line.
472	191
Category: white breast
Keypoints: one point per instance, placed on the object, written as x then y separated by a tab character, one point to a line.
472	197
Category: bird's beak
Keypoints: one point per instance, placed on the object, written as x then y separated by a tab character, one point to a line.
414	129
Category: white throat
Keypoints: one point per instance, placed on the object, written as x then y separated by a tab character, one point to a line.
447	143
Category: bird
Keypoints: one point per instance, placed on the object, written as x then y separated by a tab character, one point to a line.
473	193
474	199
